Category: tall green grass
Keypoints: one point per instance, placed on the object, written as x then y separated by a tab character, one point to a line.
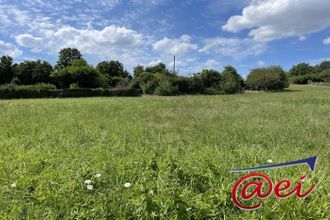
175	151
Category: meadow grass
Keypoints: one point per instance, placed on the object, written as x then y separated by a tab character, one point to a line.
175	151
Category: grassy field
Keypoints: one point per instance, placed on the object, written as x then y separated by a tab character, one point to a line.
175	151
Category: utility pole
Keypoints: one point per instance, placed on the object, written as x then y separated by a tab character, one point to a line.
174	65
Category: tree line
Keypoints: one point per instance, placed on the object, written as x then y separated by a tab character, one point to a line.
73	72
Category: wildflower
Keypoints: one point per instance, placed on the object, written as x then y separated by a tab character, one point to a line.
90	187
269	161
13	185
127	185
188	209
88	182
151	192
98	175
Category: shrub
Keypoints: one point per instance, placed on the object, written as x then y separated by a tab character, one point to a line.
15	92
210	78
271	78
39	86
148	83
183	84
166	88
325	76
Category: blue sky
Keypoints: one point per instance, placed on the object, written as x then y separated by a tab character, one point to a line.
201	33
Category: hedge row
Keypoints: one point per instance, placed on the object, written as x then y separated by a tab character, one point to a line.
8	93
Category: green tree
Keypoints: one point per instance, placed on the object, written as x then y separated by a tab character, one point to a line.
67	56
6	69
159	68
210	78
33	72
138	70
301	69
269	78
79	73
112	68
232	82
322	66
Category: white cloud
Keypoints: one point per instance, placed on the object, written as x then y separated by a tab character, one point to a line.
9	49
326	41
90	41
302	38
261	63
233	47
175	46
211	64
275	19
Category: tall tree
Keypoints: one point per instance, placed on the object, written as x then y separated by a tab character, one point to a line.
301	69
79	73
159	68
6	69
322	66
112	68
32	72
138	70
67	56
232	82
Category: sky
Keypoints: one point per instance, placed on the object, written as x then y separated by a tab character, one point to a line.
200	33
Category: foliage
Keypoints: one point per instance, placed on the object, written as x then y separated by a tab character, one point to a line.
319	76
175	151
67	56
232	82
325	65
148	83
33	72
159	68
112	68
6	69
166	88
270	78
301	69
210	78
38	86
79	72
10	91
138	70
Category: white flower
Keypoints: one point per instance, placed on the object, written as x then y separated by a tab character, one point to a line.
188	209
90	187
13	185
98	175
269	161
127	185
88	182
151	192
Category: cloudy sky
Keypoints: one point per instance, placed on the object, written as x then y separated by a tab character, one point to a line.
201	33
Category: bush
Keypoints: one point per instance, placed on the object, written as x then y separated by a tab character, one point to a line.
50	91
39	86
271	78
325	76
312	78
148	83
166	88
